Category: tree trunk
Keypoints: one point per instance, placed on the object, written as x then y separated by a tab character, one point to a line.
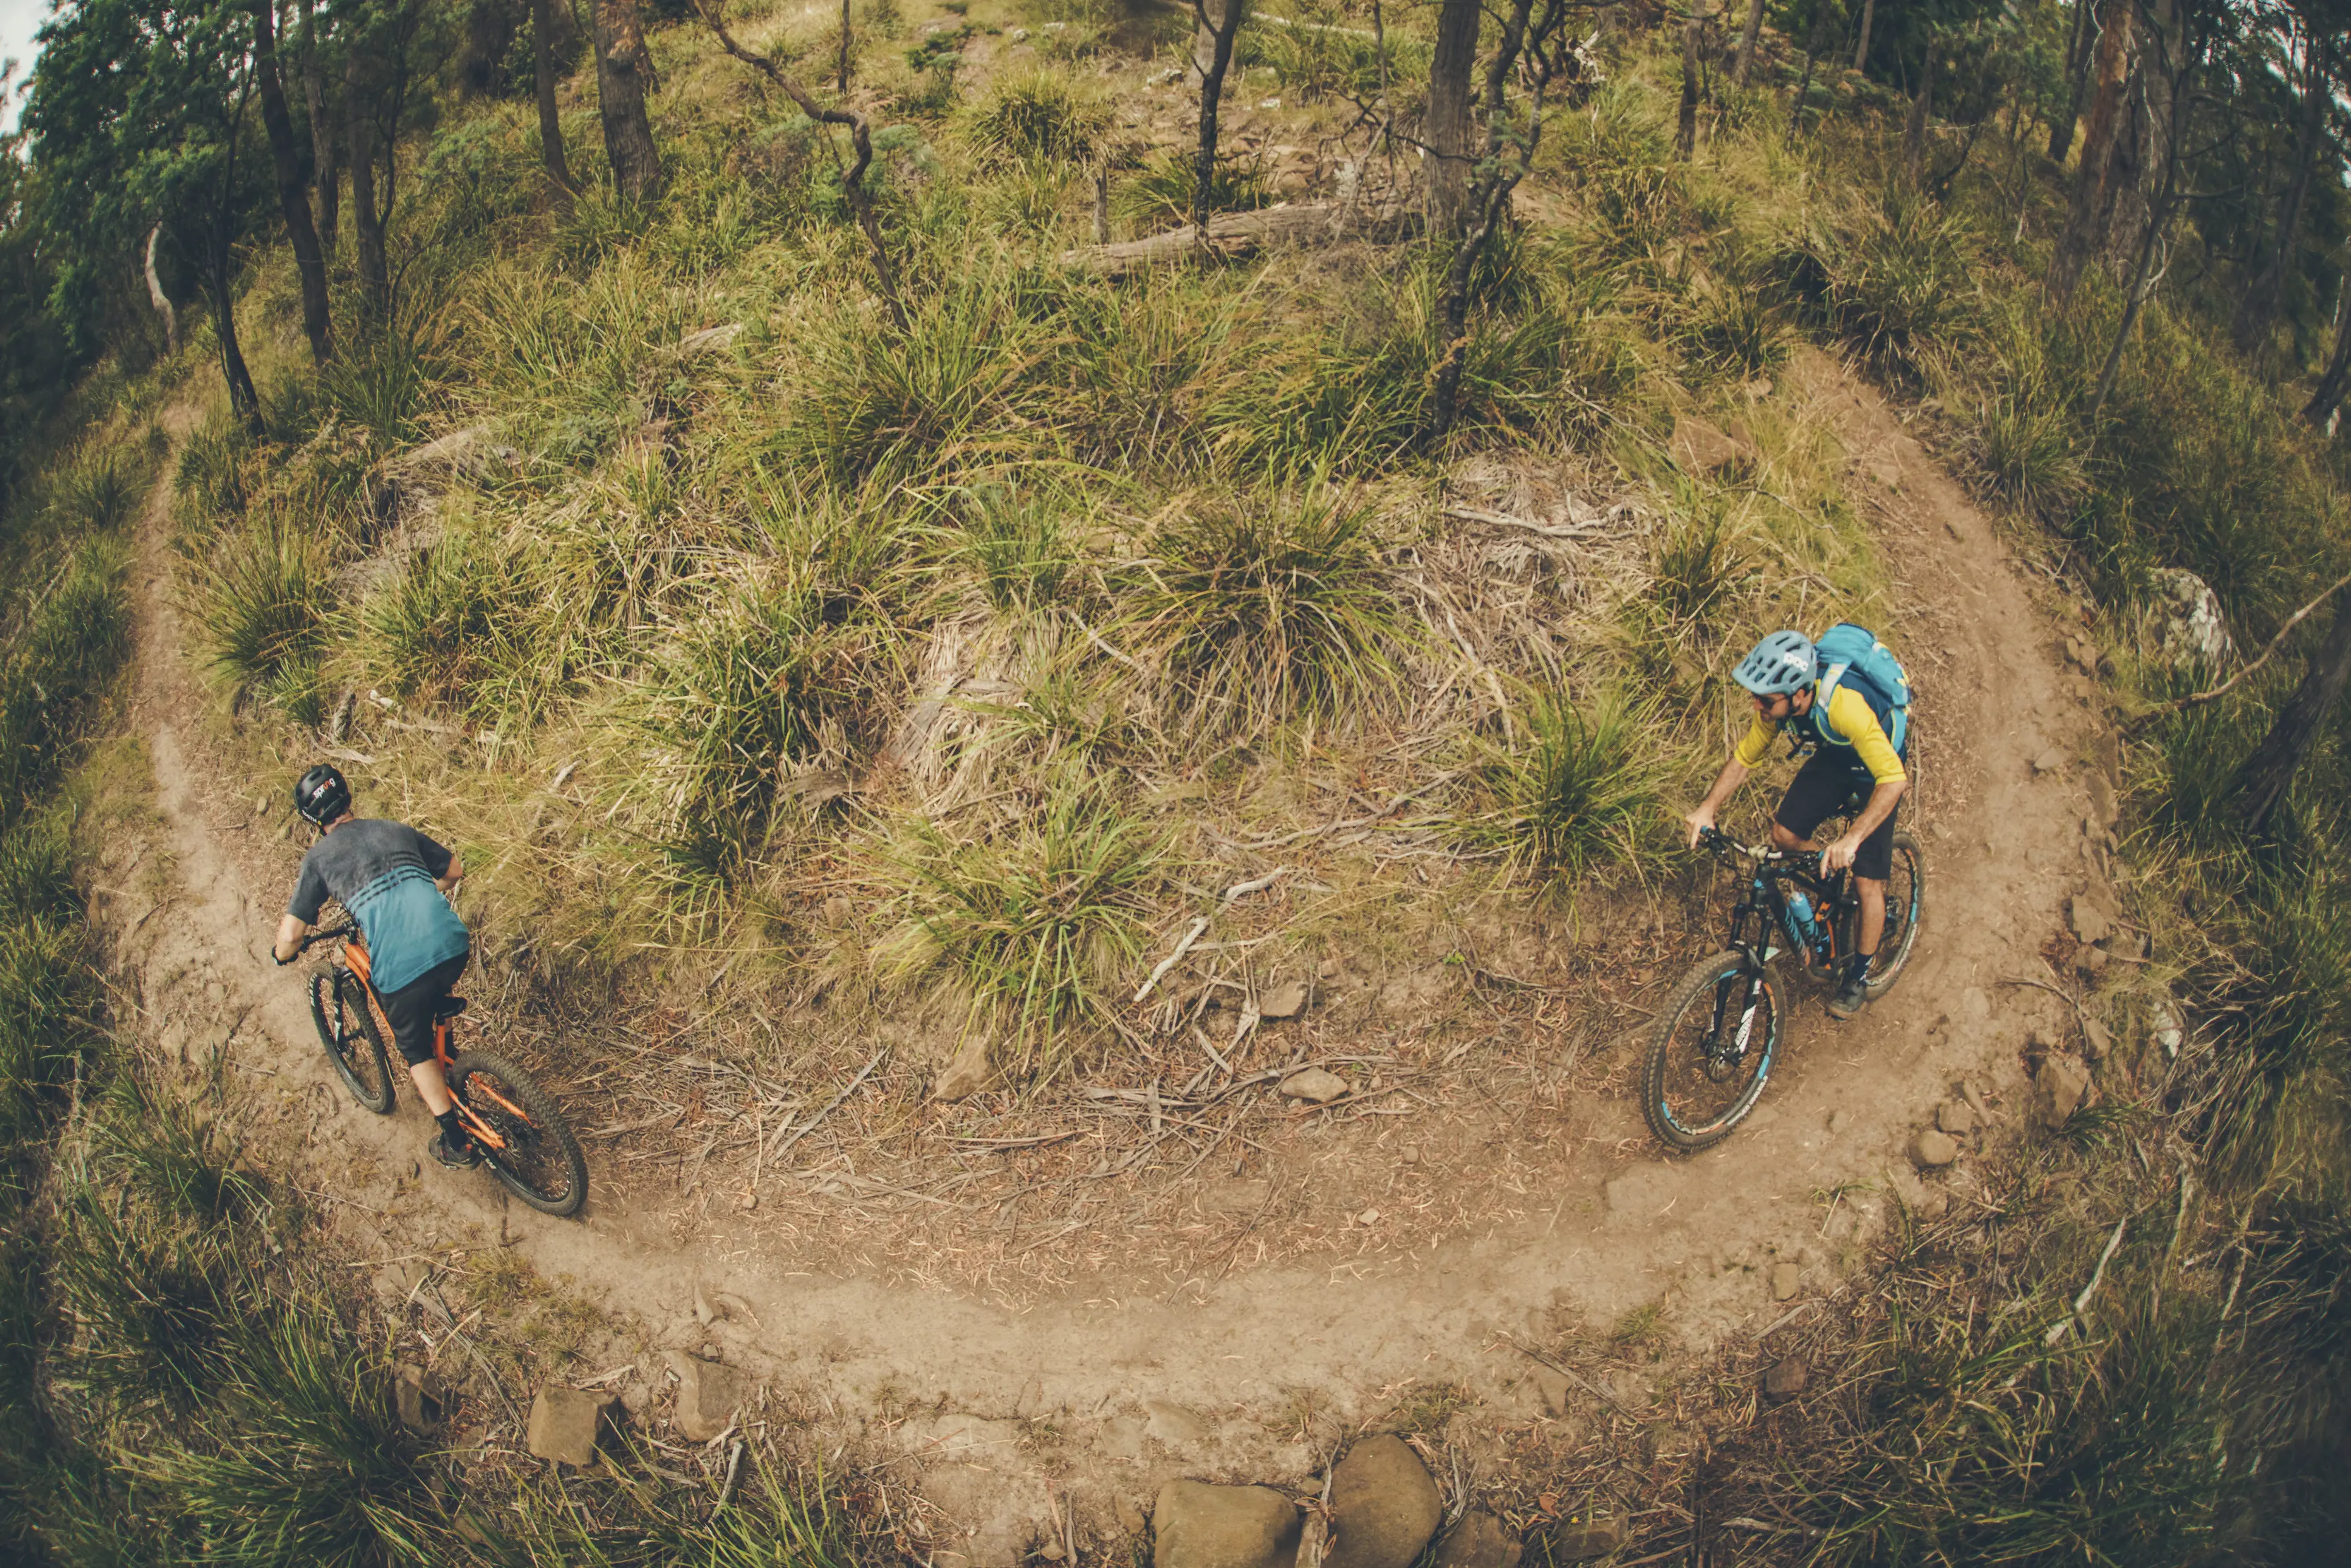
2061	135
324	185
2092	179
1452	74
243	399
550	128
1686	123
293	198
1861	49
157	297
1212	89
2269	773
1922	105
1811	59
2328	396
2258	305
842	84
367	225
2159	220
1747	43
623	72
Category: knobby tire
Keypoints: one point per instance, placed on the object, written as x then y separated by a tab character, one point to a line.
1901	937
541	1165
1684	1020
348	1031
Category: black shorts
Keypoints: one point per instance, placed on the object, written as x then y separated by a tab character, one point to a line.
409	1009
1828	786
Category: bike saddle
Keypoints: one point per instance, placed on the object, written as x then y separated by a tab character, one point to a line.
451	1007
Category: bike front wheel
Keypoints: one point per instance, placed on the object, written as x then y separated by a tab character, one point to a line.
540	1161
1906	907
338	1006
1710	1052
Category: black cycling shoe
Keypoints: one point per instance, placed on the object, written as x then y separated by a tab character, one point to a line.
464	1156
1851	993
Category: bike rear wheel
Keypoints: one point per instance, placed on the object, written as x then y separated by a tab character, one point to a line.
347	1028
1906	908
1710	1052
541	1163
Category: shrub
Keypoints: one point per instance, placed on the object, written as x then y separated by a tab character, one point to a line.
1573	794
2024	449
1266	609
1036	115
1036	923
1892	276
450	618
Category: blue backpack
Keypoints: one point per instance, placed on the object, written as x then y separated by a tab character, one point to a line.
1853	656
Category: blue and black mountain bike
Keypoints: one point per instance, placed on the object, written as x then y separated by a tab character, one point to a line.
1724	1024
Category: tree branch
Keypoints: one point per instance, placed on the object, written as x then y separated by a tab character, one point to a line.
852	181
2197	699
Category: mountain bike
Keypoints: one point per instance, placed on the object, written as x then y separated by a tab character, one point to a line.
523	1138
1724	1024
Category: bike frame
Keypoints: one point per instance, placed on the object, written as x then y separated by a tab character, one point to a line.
353	957
1764	903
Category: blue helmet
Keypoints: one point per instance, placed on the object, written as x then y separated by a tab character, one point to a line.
1781	665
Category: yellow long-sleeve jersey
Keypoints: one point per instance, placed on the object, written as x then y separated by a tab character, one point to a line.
1851	716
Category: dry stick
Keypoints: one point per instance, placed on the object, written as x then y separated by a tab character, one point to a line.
783	1145
2198	699
2114	1243
1170	961
852	183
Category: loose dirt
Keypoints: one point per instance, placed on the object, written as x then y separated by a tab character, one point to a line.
1324	1277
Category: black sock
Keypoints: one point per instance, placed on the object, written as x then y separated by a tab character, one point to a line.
1861	962
453	1132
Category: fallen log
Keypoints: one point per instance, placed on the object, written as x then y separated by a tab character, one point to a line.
1233	235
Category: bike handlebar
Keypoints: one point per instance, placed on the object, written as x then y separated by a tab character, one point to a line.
1722	843
331	933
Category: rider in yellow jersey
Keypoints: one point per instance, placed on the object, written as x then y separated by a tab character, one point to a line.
1783	675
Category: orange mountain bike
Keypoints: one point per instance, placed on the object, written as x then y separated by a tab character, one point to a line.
523	1137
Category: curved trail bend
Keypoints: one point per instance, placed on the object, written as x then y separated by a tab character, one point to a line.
2004	842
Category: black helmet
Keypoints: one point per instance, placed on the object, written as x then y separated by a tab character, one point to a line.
322	794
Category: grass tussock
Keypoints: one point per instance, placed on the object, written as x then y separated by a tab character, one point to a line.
1269	610
1035	924
1576	789
1036	116
266	612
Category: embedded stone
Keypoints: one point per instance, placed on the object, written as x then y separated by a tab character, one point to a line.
1384	1506
1286	1001
1786	1280
2090	923
1196	1525
1955	1117
421	1399
1478	1540
1587	1539
1786	1379
1315	1085
707	1396
2060	1085
565	1424
1932	1150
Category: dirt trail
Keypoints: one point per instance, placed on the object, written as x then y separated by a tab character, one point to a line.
2004	844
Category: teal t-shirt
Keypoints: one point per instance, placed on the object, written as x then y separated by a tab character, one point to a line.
384	873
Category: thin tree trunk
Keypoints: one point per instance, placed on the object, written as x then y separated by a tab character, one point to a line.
293	198
157	297
1861	49
2258	305
1686	123
243	399
623	71
551	127
1212	87
2158	222
1508	156
2269	772
2328	396
1747	43
366	227
1922	105
2091	181
1811	59
2077	78
1446	126
324	183
841	86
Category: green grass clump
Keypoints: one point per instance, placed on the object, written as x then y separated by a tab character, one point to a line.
97	491
1160	193
48	985
772	674
1271	606
1574	793
61	648
1036	115
1021	551
446	620
265	608
1037	923
1891	276
2025	451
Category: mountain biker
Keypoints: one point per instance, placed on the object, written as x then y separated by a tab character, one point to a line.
396	883
1851	753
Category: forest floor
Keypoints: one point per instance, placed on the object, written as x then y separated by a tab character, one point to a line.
1480	1245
